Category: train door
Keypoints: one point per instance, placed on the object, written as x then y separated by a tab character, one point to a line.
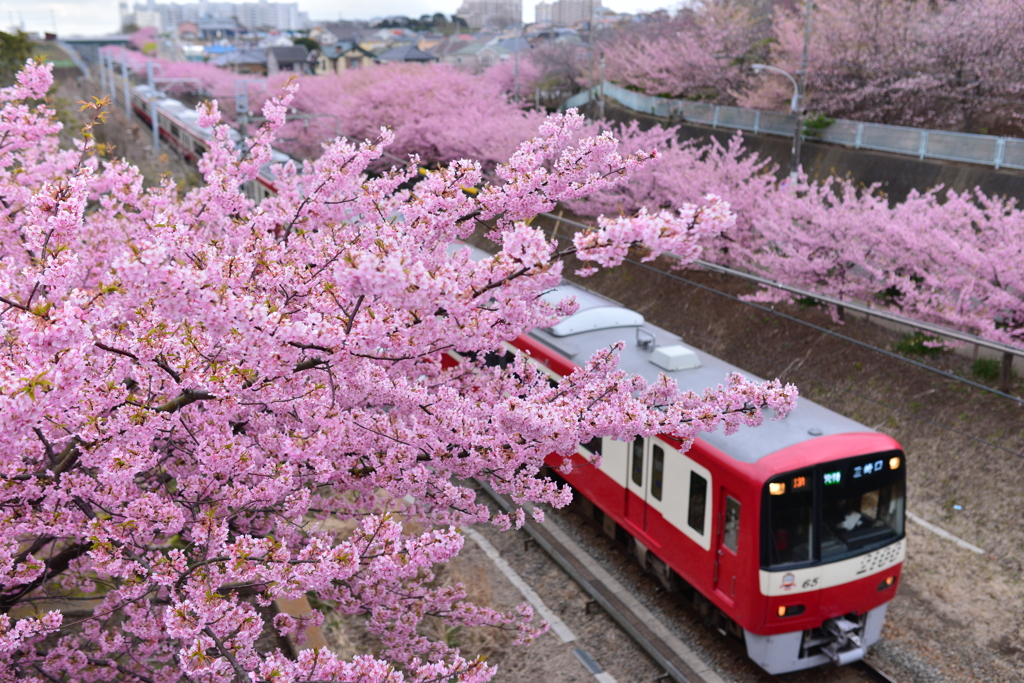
636	482
727	542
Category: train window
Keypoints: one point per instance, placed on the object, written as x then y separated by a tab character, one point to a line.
594	445
698	501
199	148
791	519
731	532
657	471
860	515
638	461
174	131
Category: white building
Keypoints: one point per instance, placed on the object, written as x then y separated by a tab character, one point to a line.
543	14
566	12
148	19
491	13
262	15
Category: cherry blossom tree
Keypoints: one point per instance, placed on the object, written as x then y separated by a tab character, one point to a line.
956	65
143	38
434	110
700	54
565	66
521	85
193	388
940	256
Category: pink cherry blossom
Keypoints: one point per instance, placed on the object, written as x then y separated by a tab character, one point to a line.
195	391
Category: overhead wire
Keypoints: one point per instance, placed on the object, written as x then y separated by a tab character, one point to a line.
842	337
833	333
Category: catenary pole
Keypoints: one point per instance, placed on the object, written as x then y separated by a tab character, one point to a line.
801	78
113	79
127	89
152	108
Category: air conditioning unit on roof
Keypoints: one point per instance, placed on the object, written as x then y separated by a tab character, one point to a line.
675	357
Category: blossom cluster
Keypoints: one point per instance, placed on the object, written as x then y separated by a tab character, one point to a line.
207	405
938	256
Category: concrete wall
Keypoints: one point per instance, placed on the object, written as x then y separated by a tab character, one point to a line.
897	173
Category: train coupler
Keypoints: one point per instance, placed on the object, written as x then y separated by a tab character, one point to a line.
845	646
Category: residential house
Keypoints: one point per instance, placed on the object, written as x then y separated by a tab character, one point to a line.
345	54
215	29
245	61
406	53
188	30
294	58
428	41
447	49
332	33
380	40
482	54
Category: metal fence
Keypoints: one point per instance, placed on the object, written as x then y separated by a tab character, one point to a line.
989	150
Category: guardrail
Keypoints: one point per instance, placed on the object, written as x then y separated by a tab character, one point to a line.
989	150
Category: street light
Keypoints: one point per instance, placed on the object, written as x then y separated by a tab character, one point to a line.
796	106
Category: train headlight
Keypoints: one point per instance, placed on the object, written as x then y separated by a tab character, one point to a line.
889	582
894	463
777	488
790	610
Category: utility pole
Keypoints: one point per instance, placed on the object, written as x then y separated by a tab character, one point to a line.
242	106
515	68
103	75
801	79
152	108
127	90
113	81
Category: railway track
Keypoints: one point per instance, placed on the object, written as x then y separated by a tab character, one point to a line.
676	660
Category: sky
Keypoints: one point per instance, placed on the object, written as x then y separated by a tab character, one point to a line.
98	17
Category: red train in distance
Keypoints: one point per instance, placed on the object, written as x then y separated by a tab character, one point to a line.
790	535
178	125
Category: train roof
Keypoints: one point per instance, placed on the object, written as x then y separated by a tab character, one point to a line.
600	322
650	350
182	113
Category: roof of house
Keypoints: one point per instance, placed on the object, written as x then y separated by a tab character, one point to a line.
291	54
342	47
512	45
247	56
343	31
406	53
473	47
451	45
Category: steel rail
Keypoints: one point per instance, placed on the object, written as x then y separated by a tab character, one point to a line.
655	647
649	641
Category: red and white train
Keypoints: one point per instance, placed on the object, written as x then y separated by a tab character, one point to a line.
179	127
790	536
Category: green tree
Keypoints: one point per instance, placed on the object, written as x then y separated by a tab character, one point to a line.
15	48
308	42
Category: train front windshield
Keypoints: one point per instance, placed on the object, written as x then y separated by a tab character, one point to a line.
834	511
